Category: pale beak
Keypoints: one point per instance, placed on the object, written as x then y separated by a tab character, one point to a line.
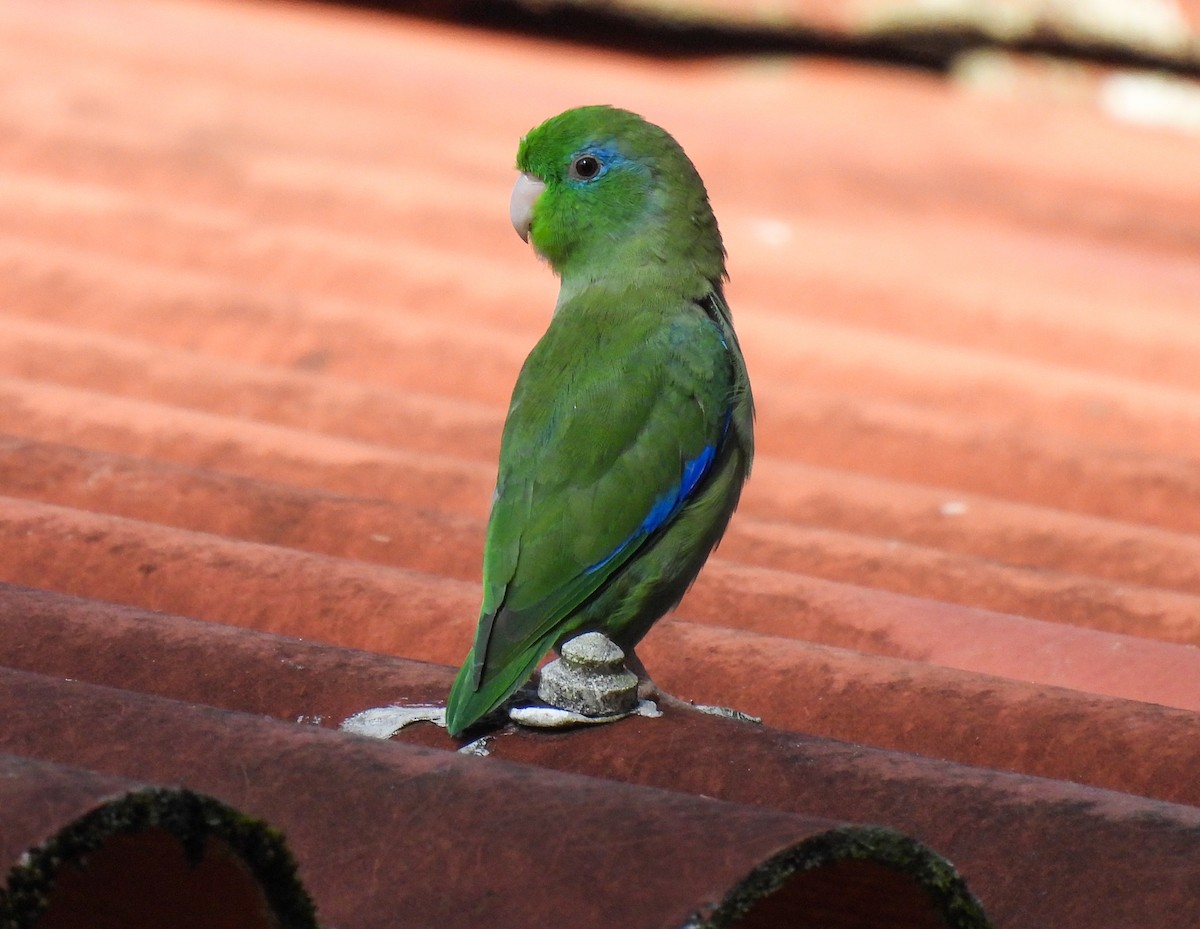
520	207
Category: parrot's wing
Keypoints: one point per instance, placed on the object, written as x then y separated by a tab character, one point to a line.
616	419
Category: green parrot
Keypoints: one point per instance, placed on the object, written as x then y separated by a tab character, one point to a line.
630	431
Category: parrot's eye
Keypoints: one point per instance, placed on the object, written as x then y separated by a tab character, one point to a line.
585	167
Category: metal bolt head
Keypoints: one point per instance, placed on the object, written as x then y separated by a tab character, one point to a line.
590	678
593	651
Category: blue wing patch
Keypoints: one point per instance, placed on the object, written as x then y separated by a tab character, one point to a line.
667	505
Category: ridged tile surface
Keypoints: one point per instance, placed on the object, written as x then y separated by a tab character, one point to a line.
261	309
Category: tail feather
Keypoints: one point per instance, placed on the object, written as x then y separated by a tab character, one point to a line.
469	703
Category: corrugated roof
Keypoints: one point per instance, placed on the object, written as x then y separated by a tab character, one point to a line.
260	313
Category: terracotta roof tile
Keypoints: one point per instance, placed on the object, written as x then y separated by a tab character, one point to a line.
260	312
1077	831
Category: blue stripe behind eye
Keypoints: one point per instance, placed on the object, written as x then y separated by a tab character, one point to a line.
609	158
668	504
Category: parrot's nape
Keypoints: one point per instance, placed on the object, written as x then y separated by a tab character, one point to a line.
630	431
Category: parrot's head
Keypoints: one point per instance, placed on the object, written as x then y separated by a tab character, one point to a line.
602	189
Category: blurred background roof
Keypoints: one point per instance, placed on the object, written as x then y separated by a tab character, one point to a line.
260	312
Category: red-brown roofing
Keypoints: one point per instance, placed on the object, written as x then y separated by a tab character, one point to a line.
260	311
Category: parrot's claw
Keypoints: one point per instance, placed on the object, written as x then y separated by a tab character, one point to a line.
727	712
648	690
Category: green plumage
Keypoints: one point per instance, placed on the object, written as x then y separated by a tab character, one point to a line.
629	434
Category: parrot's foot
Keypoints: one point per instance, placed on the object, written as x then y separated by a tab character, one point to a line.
726	712
656	694
648	690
